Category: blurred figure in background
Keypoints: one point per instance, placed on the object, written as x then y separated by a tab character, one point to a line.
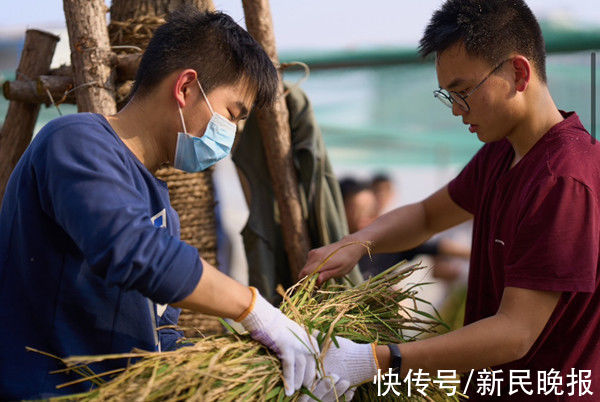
383	189
362	202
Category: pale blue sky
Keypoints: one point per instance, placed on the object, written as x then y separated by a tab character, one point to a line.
319	23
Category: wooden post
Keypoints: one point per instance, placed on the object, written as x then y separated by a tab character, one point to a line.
127	65
20	119
91	57
275	132
35	91
60	80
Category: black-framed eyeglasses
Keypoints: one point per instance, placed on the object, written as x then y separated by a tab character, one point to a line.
448	98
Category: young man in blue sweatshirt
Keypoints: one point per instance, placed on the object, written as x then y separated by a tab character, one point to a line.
90	256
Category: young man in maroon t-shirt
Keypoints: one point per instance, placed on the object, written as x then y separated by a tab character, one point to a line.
533	190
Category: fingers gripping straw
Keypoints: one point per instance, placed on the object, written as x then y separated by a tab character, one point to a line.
288	340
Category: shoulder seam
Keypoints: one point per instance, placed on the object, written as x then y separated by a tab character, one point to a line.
588	188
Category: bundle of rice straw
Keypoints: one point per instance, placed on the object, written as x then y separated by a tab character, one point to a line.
234	367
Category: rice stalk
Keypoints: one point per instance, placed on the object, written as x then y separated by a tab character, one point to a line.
234	367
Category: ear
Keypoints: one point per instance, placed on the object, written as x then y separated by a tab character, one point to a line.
181	88
522	72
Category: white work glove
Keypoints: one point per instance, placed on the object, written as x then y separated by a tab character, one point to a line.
269	326
329	389
352	362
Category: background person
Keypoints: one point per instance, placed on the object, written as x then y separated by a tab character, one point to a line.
361	205
383	188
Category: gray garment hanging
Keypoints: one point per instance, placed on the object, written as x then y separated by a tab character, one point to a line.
320	195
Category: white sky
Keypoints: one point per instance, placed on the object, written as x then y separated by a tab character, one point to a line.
319	23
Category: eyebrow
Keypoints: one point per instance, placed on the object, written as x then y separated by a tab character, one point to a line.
456	82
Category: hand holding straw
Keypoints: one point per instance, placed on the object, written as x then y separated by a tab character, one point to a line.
292	344
330	388
235	367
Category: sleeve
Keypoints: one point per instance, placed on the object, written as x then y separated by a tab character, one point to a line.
85	186
430	248
168	334
462	187
556	246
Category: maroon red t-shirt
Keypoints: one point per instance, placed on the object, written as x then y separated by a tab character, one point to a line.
537	226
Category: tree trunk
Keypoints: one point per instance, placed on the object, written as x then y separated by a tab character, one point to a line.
91	56
20	119
276	136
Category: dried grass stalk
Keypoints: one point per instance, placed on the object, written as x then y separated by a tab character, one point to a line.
234	367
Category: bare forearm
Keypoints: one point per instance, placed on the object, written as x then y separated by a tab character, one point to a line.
217	294
401	229
407	227
488	342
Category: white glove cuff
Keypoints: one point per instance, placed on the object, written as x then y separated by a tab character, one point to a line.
262	308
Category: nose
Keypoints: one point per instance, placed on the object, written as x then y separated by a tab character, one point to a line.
457	110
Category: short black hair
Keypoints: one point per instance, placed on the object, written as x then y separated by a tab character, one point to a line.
350	186
213	44
490	29
381	177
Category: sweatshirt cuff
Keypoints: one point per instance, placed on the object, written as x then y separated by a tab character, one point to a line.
180	280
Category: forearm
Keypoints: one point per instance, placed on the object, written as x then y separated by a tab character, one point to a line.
212	290
401	229
488	342
219	295
407	227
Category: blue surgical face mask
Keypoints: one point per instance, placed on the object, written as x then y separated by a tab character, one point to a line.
194	154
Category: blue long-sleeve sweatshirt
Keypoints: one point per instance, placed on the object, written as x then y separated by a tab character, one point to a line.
89	244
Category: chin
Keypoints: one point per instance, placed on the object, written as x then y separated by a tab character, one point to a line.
486	137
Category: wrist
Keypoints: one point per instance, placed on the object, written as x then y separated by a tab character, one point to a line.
383	355
395	358
250	305
359	243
